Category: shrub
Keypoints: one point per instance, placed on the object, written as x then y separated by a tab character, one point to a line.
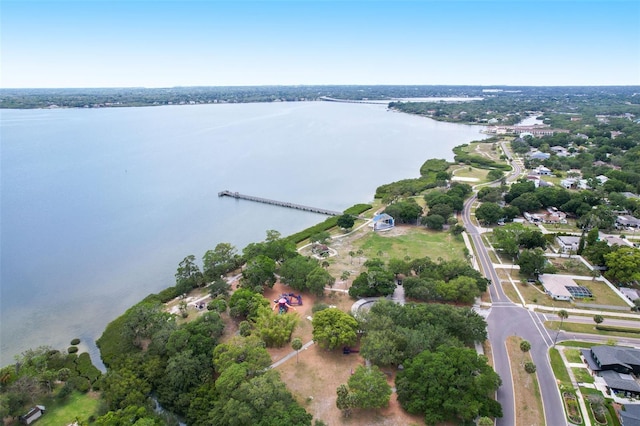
75	342
244	328
72	349
529	367
86	369
319	307
81	384
65	391
615	328
218	305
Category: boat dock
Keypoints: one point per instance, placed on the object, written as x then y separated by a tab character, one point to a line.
278	203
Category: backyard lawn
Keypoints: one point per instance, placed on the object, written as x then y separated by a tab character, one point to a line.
77	406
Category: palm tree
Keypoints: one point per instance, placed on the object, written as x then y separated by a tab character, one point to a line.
562	314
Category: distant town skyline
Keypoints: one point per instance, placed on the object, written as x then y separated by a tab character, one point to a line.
121	43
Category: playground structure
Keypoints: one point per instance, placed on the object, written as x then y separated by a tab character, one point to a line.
286	301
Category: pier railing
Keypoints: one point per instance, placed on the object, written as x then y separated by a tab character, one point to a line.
278	203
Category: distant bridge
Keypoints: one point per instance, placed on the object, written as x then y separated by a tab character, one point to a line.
278	203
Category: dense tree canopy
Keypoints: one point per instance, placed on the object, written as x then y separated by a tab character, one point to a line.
449	384
333	328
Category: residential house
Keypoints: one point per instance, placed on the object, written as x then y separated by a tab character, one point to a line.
533	217
538	155
568	243
627	220
560	151
629	293
616	241
556	286
629	414
555	216
569	183
542	170
621	359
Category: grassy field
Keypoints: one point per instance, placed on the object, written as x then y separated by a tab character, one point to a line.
77	406
415	243
469	172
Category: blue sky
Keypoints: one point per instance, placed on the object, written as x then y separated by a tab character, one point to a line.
122	43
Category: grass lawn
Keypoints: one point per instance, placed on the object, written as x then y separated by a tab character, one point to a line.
602	294
415	243
573	355
573	327
77	405
469	172
578	344
559	369
582	375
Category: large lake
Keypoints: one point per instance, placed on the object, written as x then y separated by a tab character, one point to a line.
100	205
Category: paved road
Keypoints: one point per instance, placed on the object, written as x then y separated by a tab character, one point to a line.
508	319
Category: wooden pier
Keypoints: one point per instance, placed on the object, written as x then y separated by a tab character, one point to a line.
278	203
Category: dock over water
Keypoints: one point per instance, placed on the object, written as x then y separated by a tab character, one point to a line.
278	203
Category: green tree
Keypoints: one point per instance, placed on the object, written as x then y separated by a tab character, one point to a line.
321	237
318	279
529	367
259	272
526	202
623	265
294	271
377	281
369	387
444	210
532	262
143	320
244	303
275	330
597	251
434	221
345	400
188	275
219	287
525	346
248	351
425	386
219	261
598	319
562	314
261	400
333	328
489	213
346	221
495	174
296	345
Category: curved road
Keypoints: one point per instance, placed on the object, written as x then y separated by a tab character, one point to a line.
507	319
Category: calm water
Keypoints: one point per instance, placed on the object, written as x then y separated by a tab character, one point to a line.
99	205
